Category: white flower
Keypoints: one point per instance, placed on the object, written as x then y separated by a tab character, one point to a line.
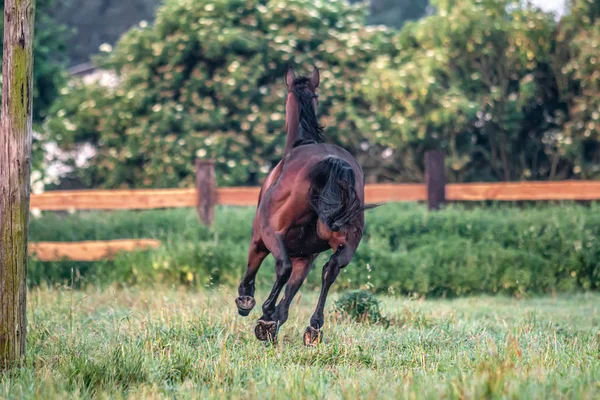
35	176
105	48
70	126
233	66
37	187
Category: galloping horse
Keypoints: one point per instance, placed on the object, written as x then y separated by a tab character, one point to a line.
313	200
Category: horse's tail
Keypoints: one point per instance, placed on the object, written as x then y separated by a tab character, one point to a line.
332	193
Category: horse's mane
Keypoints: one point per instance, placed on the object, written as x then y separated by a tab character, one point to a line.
309	131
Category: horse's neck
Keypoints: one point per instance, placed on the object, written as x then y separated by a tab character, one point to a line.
292	125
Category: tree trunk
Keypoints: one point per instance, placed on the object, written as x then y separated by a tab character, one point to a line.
15	159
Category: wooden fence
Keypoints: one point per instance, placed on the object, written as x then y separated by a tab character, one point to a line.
205	196
141	199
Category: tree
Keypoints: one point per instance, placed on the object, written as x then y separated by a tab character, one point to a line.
205	80
575	63
472	80
15	154
104	21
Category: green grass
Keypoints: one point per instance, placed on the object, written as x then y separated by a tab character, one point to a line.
178	343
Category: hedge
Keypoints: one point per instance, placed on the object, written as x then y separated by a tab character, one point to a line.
406	250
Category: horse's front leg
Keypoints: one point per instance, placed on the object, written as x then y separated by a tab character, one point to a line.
266	327
340	259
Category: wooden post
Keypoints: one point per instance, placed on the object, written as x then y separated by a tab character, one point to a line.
15	159
206	188
435	178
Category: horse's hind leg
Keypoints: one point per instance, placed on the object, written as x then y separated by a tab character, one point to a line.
301	268
341	258
266	328
256	254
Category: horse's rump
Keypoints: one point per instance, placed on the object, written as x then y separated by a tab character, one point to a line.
333	194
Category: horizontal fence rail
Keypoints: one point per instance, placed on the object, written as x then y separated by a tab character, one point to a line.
136	199
89	250
524	191
139	199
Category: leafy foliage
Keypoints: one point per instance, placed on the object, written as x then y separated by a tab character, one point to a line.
205	81
104	21
506	91
576	63
470	80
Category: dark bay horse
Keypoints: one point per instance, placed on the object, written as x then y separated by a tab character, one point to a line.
312	201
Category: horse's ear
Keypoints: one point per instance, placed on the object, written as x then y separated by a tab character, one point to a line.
289	77
315	78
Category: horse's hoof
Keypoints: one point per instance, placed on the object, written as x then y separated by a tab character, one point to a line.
265	331
245	304
312	337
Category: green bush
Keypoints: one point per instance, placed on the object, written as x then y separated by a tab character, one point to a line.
206	80
405	250
361	306
503	90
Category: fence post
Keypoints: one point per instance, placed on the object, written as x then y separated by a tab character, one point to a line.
15	164
435	179
206	189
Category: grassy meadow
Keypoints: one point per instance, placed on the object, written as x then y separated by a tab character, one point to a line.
187	343
479	302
